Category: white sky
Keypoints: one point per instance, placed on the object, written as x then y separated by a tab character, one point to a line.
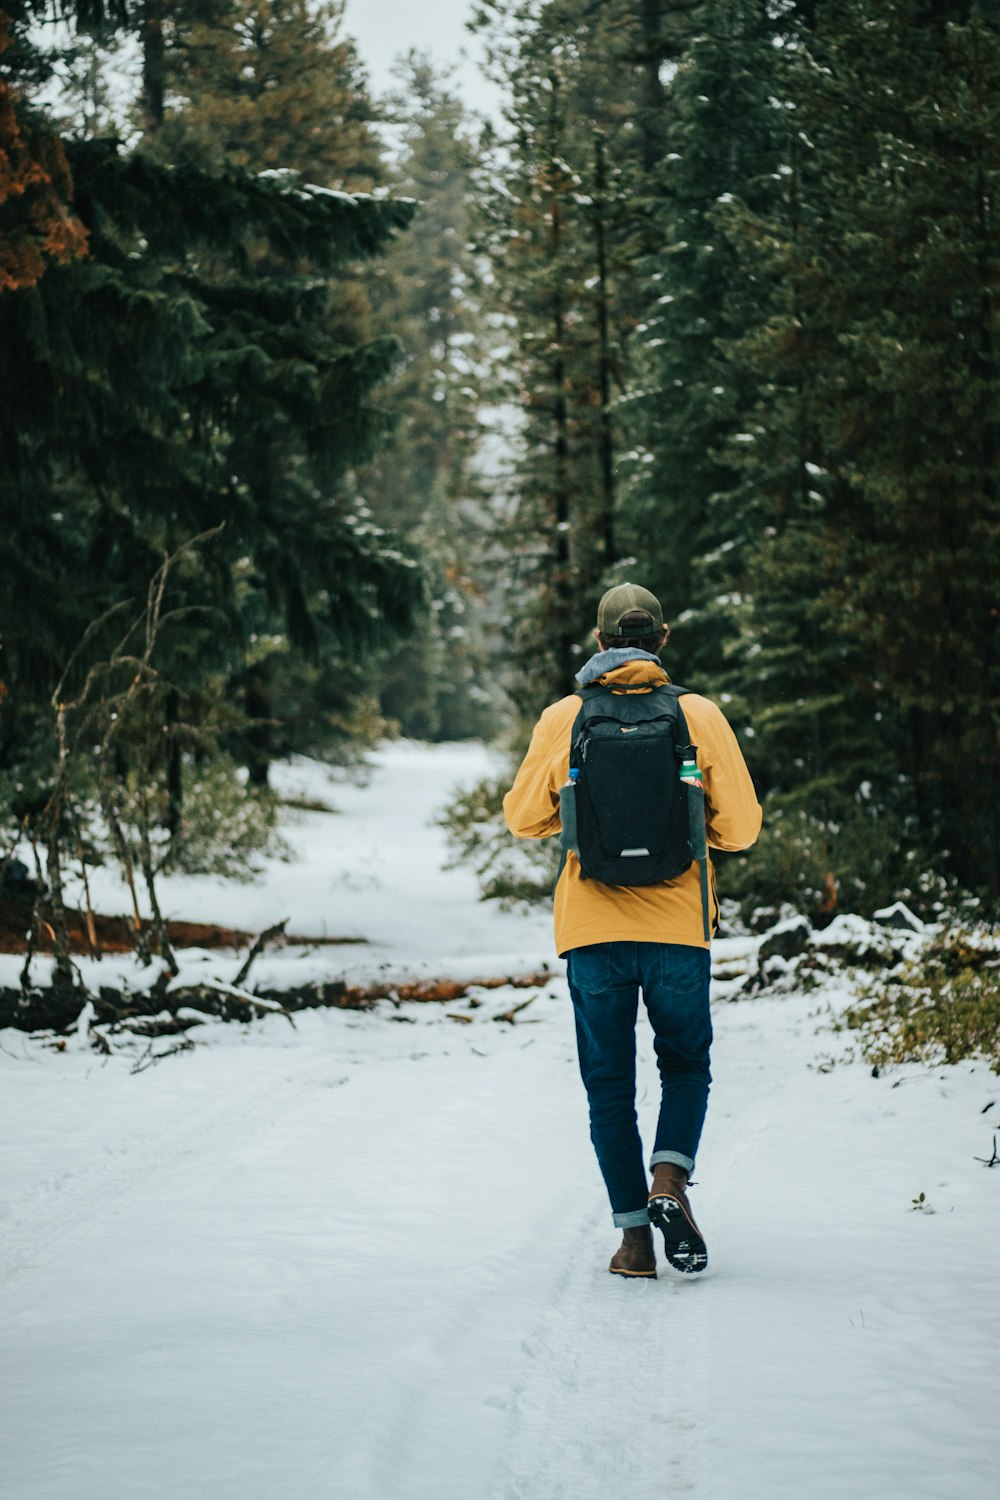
383	29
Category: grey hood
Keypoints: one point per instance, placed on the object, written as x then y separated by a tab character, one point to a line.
606	661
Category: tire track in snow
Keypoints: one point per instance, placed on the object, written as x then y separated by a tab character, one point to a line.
614	1385
39	1225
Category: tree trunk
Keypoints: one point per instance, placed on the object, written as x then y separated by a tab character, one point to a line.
149	876
607	519
62	973
174	767
153	66
984	368
256	701
651	114
561	508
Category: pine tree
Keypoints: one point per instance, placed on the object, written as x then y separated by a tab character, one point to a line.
142	385
869	648
269	85
123	453
425	479
276	89
687	398
559	231
913	419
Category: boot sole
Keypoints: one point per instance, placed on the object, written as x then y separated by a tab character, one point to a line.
682	1242
636	1275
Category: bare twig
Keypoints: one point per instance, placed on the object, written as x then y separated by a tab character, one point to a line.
994	1159
508	1015
91	629
154	602
145	675
159	925
154	594
92	942
99	1041
149	1058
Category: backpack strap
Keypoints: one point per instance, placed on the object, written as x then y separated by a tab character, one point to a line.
592	689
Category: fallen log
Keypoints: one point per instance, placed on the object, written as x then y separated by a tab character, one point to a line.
92	932
59	1010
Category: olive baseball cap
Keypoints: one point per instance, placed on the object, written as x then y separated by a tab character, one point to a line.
628	599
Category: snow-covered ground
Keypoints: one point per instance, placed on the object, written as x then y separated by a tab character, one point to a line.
364	1258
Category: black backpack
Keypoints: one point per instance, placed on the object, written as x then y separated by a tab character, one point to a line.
632	810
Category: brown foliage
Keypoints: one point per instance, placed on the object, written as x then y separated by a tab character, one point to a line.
37	224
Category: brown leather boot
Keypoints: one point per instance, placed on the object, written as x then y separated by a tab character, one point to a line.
670	1211
635	1256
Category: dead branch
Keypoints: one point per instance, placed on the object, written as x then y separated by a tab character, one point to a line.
91	629
150	1058
154	602
151	1027
994	1159
159	925
509	1015
99	1041
278	930
228	1001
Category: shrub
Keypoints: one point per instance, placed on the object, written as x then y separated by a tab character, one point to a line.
510	870
228	829
942	1006
868	859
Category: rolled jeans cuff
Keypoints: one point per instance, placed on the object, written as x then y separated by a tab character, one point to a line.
632	1220
687	1162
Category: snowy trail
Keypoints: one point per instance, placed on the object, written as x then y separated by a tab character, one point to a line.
57	1209
364	1259
595	1404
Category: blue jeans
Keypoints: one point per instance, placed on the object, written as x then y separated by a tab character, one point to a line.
605	980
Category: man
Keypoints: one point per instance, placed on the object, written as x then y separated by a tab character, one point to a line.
619	940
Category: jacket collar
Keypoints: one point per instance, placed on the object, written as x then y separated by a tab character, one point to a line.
627	663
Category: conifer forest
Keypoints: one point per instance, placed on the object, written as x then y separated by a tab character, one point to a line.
329	415
351	352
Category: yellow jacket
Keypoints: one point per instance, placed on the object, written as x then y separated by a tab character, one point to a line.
586	911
